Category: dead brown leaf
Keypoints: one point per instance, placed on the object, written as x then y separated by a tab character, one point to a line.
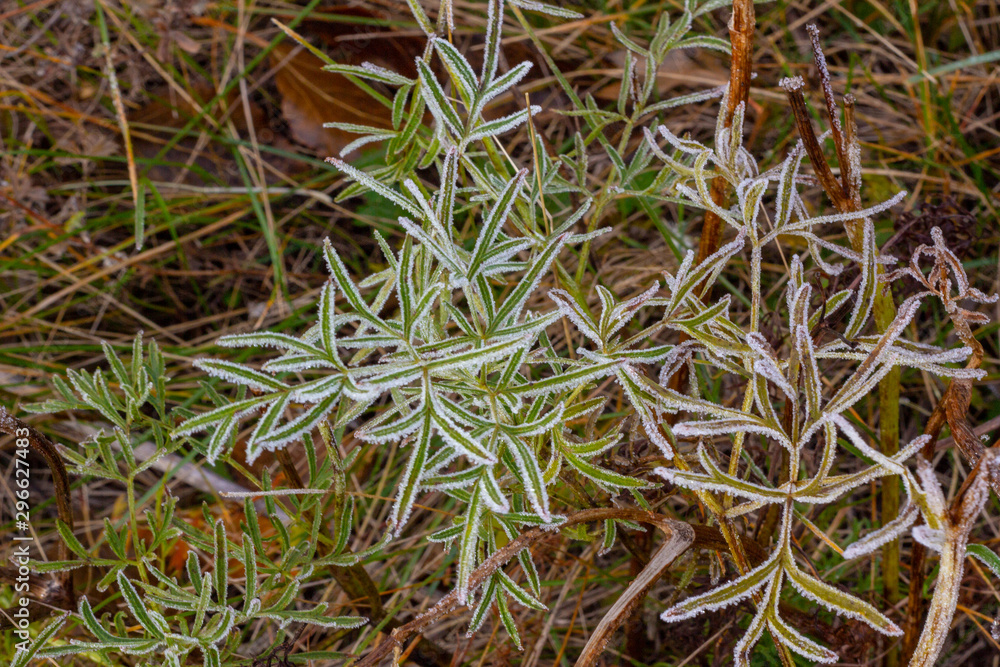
311	96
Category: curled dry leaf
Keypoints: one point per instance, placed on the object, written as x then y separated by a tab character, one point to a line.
312	96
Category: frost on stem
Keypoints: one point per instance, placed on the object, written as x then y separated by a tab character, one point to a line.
792	83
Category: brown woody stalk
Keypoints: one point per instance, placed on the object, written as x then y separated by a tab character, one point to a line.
741	33
833	188
742	23
845	194
741	28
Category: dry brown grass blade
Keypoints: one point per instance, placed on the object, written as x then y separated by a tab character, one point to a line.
679	537
119	105
140	258
449	603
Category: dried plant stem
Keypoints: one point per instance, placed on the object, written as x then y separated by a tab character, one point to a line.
958	522
10	425
679	536
288	467
742	23
700	537
741	29
636	644
846	197
942	609
918	553
951	409
914	601
832	187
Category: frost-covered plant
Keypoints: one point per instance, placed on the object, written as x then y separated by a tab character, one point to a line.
813	417
173	607
475	388
486	404
486	356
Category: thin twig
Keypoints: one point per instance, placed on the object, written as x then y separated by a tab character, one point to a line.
679	536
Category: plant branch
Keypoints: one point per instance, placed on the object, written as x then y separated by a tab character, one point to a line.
679	536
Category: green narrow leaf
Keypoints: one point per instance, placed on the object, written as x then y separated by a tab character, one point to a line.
138	608
459	69
315	617
508	621
529	473
986	555
250	567
439	104
193	567
70	539
23	657
468	548
483	607
522	596
409	485
370	72
210	656
220	575
140	214
604	477
839	602
491	52
343	524
421	17
502	125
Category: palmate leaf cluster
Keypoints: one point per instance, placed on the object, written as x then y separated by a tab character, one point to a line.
467	379
495	388
226	583
470	382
